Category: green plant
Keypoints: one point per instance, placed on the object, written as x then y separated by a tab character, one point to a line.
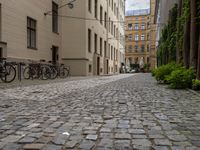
181	78
196	84
165	70
153	72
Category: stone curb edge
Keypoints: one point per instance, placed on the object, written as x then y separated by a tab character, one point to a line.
198	94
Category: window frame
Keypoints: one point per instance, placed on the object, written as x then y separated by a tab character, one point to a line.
89	40
54	17
31	30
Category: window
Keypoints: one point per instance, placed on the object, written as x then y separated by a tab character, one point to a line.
136	48
105	49
111	52
142	37
143	26
117	13
142	48
54	17
31	33
114	8
114	30
130	36
147	48
147	36
95	9
130	26
89	40
114	54
136	26
101	46
112	5
130	47
90	6
95	43
109	25
105	20
101	14
136	37
147	60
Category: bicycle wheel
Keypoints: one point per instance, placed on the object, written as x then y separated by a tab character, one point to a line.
45	72
64	73
9	73
53	73
29	72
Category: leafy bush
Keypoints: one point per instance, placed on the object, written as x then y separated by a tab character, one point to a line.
165	70
196	84
153	72
181	78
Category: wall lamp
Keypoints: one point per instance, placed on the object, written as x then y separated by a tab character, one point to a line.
70	4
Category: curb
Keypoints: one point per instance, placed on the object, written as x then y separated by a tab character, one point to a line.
198	94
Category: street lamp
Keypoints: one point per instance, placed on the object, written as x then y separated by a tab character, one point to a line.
69	4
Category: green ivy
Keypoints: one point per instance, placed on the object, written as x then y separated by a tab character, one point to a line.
167	48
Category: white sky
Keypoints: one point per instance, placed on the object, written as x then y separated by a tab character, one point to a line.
137	4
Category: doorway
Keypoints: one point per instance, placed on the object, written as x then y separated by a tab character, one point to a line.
54	54
1	52
98	66
107	66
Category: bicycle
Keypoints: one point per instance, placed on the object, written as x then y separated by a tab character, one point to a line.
7	71
61	70
37	71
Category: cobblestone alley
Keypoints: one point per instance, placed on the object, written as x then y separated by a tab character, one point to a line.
122	112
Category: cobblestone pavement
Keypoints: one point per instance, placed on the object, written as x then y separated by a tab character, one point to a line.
123	112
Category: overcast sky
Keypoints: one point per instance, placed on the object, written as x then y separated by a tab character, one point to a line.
137	4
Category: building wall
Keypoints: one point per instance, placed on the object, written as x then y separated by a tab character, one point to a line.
152	32
149	53
72	36
14	29
132	54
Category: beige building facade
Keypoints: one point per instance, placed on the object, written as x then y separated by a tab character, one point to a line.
87	37
140	37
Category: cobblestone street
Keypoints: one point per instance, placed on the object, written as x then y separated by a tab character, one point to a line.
122	112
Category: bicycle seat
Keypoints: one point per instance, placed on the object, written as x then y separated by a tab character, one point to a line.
22	63
42	60
12	63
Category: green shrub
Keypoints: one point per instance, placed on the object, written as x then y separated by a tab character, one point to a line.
181	78
165	70
153	72
196	84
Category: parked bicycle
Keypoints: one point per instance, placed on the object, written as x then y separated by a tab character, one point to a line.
37	71
61	70
7	70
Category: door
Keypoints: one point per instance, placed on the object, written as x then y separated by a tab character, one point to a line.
98	66
107	64
54	54
1	52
